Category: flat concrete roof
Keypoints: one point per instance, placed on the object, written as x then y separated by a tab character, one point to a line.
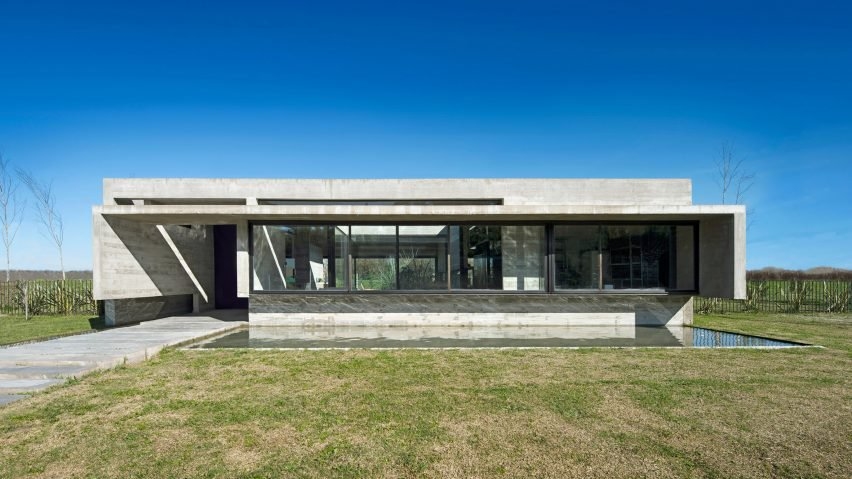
510	191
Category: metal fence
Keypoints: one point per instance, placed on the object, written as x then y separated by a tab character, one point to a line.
47	297
785	296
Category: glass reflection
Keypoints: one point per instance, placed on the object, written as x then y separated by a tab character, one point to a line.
423	257
509	258
374	264
299	257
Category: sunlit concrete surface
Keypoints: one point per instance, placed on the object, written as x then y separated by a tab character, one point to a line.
32	367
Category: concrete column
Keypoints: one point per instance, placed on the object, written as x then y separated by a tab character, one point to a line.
243	260
685	258
721	256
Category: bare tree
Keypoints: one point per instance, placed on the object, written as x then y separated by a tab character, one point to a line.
48	214
734	178
11	210
732	175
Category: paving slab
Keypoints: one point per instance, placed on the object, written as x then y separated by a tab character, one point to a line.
7	398
31	367
17	386
41	372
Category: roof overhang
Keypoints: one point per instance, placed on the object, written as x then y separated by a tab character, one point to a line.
231	214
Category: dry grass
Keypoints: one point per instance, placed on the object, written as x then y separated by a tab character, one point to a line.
455	413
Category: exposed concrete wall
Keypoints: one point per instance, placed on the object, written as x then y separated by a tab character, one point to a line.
118	312
243	259
512	191
740	288
137	260
685	272
469	309
721	256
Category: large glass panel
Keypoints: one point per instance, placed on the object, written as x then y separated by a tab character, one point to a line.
374	264
509	258
636	256
624	257
423	257
577	256
523	258
475	257
269	257
299	257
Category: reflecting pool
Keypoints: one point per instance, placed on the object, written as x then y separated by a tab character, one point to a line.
392	337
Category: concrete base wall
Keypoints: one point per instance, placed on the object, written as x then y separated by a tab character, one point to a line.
469	310
118	312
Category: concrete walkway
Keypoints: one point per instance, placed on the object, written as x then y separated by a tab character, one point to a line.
27	368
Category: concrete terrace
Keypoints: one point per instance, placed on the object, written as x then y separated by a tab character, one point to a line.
31	367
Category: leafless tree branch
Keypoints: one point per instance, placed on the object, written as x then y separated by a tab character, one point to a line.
48	213
11	210
733	178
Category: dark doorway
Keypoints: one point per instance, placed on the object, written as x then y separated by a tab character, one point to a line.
225	264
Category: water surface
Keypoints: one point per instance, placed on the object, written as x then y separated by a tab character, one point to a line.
291	337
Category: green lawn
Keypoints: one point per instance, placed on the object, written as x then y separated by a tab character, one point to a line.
16	329
455	413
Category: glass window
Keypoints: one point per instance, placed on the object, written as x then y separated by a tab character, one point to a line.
636	256
423	257
472	257
577	257
509	258
624	257
475	257
374	264
523	258
299	257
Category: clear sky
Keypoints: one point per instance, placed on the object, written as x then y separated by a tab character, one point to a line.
437	89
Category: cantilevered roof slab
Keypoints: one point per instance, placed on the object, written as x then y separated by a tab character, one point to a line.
229	214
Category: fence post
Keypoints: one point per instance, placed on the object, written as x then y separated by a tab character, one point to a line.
26	302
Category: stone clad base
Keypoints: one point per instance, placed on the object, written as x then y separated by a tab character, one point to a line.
118	312
470	309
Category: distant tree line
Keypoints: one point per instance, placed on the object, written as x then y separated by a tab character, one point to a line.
778	274
34	274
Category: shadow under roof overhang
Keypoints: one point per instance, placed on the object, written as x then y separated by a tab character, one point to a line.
230	214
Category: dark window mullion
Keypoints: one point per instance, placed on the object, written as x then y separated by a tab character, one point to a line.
549	259
397	258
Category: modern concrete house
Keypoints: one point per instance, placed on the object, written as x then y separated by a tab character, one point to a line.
415	252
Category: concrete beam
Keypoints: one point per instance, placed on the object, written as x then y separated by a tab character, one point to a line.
512	191
231	214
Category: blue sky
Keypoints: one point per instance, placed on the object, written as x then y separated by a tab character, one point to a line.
437	89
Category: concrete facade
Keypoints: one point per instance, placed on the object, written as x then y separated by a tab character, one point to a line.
153	248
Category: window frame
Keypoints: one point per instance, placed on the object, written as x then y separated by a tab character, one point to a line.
548	258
